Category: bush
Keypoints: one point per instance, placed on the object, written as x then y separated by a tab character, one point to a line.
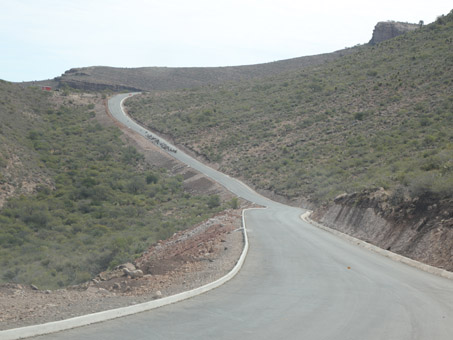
213	201
234	203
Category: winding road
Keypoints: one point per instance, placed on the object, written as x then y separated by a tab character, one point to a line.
298	282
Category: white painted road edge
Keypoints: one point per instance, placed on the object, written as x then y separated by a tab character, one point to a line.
84	320
395	257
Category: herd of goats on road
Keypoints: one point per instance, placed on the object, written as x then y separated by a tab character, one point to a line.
159	143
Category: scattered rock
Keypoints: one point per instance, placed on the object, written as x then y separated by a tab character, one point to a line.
108	275
92	290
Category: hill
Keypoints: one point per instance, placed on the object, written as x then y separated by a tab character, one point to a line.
380	116
99	78
76	198
365	139
371	119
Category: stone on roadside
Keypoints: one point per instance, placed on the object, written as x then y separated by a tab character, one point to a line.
133	273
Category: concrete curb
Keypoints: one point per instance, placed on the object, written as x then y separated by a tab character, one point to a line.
395	257
84	320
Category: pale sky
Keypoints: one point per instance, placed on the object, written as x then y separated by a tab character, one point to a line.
40	39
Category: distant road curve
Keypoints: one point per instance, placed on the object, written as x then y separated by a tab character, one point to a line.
298	282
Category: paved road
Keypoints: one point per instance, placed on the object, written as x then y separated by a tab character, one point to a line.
298	282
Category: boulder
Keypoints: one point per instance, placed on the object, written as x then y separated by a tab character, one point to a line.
133	273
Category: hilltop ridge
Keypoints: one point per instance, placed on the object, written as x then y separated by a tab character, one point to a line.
101	78
98	78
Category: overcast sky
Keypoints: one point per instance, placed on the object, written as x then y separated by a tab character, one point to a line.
40	39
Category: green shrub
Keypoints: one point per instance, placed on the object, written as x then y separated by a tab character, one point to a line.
213	201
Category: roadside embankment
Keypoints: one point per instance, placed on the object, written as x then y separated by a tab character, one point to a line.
420	228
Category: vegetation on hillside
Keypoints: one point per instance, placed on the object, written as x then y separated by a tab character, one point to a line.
100	204
18	112
382	116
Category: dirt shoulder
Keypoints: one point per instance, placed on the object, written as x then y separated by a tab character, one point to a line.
189	259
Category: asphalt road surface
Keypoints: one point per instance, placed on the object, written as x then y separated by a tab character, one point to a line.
298	282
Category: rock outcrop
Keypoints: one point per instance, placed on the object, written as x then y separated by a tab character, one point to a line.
386	30
420	228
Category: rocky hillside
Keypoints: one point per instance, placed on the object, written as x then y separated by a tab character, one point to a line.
386	30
